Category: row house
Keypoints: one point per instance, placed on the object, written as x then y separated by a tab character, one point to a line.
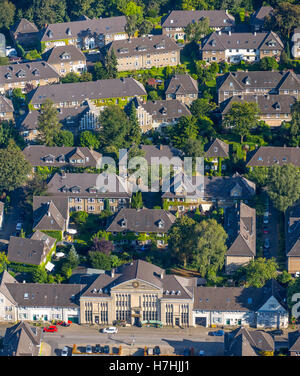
102	93
266	156
145	52
26	76
89	192
296	43
25	33
242	83
85	34
240	225
215	152
273	109
175	23
257	19
159	114
236	47
6	109
183	88
61	156
66	59
140	227
292	239
294	343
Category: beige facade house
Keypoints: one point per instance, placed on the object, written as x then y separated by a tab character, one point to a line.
296	43
292	241
6	108
183	88
25	33
66	59
145	52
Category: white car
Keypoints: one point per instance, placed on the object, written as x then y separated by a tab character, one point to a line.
110	330
19	226
65	351
88	349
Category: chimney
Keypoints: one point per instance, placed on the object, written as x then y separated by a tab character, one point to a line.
160	147
229	32
112	273
255	33
162	275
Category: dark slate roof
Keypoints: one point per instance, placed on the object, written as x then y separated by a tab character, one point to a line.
240	225
217	148
41	155
24	72
143	221
142	46
110	186
61	204
292	231
258	17
47	217
181	84
243	342
23	27
46	295
266	156
294	341
172	286
267	104
74	29
165	110
22	340
224	41
69	52
30	251
6	104
81	91
158	151
181	18
5	277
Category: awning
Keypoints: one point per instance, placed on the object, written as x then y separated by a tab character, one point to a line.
49	266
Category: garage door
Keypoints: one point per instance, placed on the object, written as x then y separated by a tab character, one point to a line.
73	319
200	321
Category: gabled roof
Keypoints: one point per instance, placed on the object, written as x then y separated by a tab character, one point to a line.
217	148
258	17
23	27
292	231
266	156
142	221
56	54
6	104
165	110
181	84
22	340
5	277
294	341
49	218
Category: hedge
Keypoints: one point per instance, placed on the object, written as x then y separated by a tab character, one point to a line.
54	234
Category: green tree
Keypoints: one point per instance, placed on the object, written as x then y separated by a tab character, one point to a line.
145	27
18	98
268	63
284	18
7	13
185	129
86	76
66	270
89	139
100	260
73	257
137	200
284	278
259	175
80	217
64	138
131	25
202	107
241	118
195	31
70	78
14	168
99	71
135	133
283	185
259	271
111	64
39	275
3	262
48	124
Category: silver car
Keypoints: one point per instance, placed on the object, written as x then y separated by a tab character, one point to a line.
88	349
65	351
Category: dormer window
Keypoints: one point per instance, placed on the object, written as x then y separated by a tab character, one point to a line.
75	189
65	56
124	223
26	295
69	31
50	34
230	84
8	76
161	223
160	46
61	159
123	50
49	159
21	73
141	48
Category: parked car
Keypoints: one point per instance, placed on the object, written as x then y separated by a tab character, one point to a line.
59	323
97	348
105	349
150	351
65	351
88	349
217	333
65	324
186	352
201	353
267	243
110	330
266	218
50	329
19	226
156	350
265	230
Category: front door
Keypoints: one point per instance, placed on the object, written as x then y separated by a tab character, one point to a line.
137	321
177	322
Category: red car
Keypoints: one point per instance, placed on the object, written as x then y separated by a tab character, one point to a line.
59	323
265	230
50	329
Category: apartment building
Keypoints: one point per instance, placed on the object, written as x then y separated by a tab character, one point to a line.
266	156
257	19
183	88
292	239
25	33
236	47
26	76
296	43
175	23
66	59
145	52
85	34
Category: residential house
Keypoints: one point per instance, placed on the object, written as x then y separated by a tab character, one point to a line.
183	88
35	250
296	43
243	342
258	83
26	76
6	109
257	18
2	45
273	109
159	113
266	156
66	59
240	225
236	47
292	239
159	154
22	339
7	302
25	33
145	52
206	192
2	205
294	343
102	93
141	226
50	213
86	34
215	152
62	156
176	22
241	306
89	192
